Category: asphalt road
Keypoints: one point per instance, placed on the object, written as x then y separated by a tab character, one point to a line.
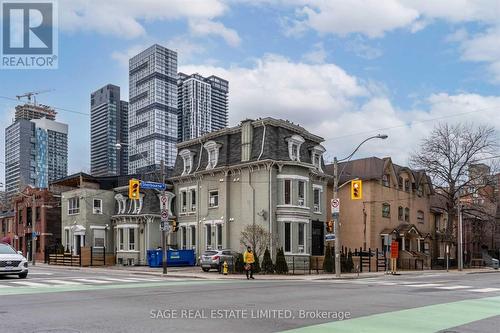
57	300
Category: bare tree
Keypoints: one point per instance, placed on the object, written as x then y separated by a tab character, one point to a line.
447	155
257	237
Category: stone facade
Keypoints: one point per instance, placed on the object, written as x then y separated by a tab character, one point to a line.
267	171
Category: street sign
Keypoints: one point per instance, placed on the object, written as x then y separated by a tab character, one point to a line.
153	186
329	237
394	250
164	226
335	203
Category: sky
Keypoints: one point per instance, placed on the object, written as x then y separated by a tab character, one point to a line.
344	70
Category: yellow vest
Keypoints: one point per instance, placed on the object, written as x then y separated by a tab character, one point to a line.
248	257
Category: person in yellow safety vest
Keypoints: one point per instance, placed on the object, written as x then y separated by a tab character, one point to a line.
249	260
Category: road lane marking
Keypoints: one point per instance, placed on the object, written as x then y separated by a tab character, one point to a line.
92	281
29	284
426	319
485	290
424	285
118	280
454	287
145	279
63	282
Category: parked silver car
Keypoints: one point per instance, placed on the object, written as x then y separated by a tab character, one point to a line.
213	259
12	262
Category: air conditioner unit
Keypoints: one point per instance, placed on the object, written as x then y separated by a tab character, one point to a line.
184	208
316	208
301	202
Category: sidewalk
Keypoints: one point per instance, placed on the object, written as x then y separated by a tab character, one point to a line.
196	273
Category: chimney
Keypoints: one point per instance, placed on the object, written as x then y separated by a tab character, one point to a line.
246	139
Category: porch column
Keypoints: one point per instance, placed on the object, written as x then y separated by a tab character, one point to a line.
403	244
418	244
75	251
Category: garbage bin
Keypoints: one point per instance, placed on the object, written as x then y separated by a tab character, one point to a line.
155	258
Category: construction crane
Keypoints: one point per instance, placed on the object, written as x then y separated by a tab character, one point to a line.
32	94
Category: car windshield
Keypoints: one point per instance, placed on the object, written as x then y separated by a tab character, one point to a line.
6	249
209	253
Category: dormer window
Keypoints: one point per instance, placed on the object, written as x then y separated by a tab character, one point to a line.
294	143
212	148
316	156
187	158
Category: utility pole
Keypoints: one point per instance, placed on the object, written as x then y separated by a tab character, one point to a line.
33	229
460	236
163	235
336	217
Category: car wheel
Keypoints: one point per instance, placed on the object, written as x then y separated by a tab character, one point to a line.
205	269
23	275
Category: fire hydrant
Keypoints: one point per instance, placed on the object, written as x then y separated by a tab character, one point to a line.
225	267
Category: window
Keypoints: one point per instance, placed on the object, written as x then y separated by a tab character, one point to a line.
316	156
386	180
407	185
193	237
302	237
427	249
420	216
386	210
183	201
301	193
120	239
407	214
184	237
209	237
288	192
294	143
317	199
73	206
187	158
213	199
401	183
219	236
131	239
97	206
193	200
20	216
420	191
66	238
212	149
99	237
400	213
288	237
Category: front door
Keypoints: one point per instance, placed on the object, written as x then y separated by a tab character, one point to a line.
318	238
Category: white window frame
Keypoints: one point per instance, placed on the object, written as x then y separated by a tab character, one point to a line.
192	232
183	195
210	205
303	204
184	242
317	206
67	235
121	235
131	246
297	141
74	206
284	191
218	240
193	204
212	149
187	158
103	237
317	152
96	210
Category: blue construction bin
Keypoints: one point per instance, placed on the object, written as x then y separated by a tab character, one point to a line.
155	258
175	258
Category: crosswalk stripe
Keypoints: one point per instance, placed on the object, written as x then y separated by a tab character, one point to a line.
29	284
118	280
145	279
485	290
92	281
454	287
424	285
72	283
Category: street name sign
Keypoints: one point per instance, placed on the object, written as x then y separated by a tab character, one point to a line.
145	185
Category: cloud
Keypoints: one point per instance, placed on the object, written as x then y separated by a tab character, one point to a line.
362	49
342	108
206	28
125	18
317	55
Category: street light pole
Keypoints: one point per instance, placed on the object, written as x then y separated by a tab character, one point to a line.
460	236
163	234
33	229
336	216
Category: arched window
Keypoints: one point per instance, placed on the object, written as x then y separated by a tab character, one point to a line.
400	213
407	214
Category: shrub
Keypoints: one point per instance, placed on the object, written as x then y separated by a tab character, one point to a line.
239	266
281	265
267	263
328	263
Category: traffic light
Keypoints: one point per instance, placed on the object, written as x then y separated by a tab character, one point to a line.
133	188
329	227
175	227
356	190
